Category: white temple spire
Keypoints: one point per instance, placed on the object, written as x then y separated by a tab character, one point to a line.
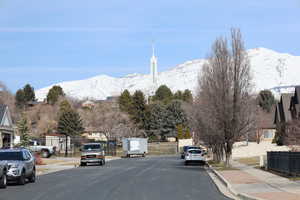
153	67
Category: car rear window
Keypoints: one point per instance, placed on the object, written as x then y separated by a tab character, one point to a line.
91	146
194	148
195	151
11	155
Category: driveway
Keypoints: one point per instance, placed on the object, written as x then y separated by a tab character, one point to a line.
124	179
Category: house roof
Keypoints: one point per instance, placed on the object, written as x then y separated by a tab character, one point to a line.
297	94
277	117
285	106
2	111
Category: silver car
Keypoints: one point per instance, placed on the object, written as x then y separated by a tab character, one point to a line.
195	155
92	153
3	174
20	163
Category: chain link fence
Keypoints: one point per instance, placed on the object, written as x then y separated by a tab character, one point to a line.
73	144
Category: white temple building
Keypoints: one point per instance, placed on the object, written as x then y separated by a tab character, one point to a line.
153	67
153	72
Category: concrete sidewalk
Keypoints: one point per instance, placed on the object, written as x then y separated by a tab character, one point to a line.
258	184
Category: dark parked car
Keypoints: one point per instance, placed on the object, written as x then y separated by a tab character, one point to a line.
20	165
3	174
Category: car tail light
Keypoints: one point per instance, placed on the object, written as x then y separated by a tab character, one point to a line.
83	157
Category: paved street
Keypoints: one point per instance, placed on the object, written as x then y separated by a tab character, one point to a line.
125	179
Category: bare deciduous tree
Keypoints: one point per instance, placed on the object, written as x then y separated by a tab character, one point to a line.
109	120
223	107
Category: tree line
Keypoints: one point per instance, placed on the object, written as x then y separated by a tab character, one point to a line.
158	116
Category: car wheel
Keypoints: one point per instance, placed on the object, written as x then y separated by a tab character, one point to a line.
186	163
82	164
45	154
101	163
22	179
3	181
32	177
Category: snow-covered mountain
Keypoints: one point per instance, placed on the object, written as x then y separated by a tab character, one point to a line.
271	70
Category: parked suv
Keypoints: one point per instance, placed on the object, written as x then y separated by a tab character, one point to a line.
3	172
92	153
20	163
185	150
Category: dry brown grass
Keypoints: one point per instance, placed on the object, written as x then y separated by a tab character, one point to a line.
220	166
251	161
42	170
51	161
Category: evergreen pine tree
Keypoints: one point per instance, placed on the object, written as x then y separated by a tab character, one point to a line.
125	101
138	109
266	100
54	94
64	106
29	94
178	95
20	98
69	124
23	131
163	94
175	116
187	96
156	121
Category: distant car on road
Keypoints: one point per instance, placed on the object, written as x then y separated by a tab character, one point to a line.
194	155
3	174
45	151
20	163
92	153
186	148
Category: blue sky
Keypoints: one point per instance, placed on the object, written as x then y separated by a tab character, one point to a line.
49	41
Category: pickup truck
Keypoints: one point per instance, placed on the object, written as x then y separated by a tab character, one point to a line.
3	174
45	151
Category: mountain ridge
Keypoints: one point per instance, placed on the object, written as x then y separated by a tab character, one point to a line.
271	70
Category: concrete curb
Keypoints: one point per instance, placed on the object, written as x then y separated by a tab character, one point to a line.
241	196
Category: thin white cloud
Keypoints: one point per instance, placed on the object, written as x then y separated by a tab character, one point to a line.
98	29
93	69
62	29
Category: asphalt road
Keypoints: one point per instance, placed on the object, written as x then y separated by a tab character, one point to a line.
152	178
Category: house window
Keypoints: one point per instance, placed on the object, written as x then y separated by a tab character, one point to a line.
268	134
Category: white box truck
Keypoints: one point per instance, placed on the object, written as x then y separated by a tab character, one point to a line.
135	146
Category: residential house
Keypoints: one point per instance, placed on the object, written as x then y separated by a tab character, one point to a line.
265	128
59	142
287	110
6	127
295	104
95	135
88	104
282	111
